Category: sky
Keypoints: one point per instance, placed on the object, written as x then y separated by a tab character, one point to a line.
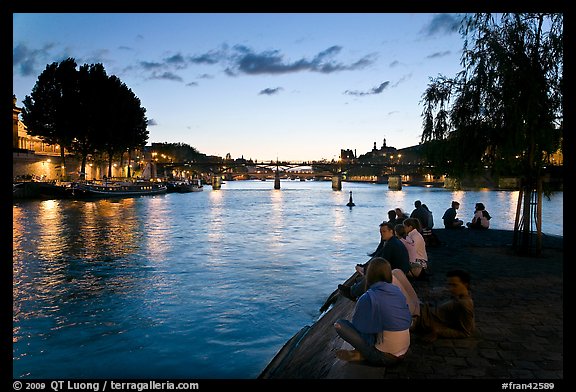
264	86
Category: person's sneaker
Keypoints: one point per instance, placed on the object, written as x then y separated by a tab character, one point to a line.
346	292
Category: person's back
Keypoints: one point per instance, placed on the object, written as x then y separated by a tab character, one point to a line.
430	217
481	218
420	213
380	326
399	279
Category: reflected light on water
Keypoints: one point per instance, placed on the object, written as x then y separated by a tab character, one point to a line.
157	233
276	219
215	224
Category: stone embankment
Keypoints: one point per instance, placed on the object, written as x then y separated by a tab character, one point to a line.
519	318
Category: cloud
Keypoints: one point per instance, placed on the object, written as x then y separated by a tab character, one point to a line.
148	65
210	58
438	54
272	62
402	79
270	91
27	60
442	24
246	61
166	76
192	84
374	90
177	61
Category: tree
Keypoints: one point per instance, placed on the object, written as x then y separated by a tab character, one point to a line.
127	125
91	116
85	111
48	111
505	108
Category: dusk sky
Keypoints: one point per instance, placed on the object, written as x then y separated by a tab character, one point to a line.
293	86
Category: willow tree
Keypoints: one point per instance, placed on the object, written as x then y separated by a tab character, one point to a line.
504	110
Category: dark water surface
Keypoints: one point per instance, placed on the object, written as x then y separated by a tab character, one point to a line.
200	285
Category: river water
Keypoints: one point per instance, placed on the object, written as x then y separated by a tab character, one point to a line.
199	285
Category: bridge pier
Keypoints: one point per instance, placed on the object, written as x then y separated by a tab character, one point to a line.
337	182
395	183
216	182
277	180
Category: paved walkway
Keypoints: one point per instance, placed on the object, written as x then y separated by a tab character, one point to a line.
519	319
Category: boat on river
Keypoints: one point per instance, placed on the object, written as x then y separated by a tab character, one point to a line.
185	186
117	189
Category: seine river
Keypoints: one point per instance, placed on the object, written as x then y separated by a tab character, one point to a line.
200	285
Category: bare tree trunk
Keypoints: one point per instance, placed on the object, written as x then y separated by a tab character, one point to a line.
517	220
539	217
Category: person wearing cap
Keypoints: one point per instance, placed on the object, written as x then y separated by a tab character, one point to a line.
449	217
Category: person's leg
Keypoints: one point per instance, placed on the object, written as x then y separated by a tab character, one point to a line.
364	344
358	288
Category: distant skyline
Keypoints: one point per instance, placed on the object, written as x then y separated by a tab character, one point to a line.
258	85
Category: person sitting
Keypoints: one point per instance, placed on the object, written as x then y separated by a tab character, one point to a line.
393	250
400	215
453	318
420	213
430	217
481	219
392	216
449	217
399	279
380	328
419	264
415	267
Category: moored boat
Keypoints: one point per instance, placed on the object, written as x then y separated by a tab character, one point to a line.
185	186
117	189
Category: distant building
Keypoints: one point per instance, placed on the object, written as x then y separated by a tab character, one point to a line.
21	140
347	155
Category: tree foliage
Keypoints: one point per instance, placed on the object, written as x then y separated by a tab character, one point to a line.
85	111
47	109
504	109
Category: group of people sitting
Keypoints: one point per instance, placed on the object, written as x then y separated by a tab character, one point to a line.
387	307
480	220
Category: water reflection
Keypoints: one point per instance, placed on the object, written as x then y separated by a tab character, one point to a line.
215	225
158	220
276	221
208	284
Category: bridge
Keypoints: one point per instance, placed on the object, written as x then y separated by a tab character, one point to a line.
335	171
